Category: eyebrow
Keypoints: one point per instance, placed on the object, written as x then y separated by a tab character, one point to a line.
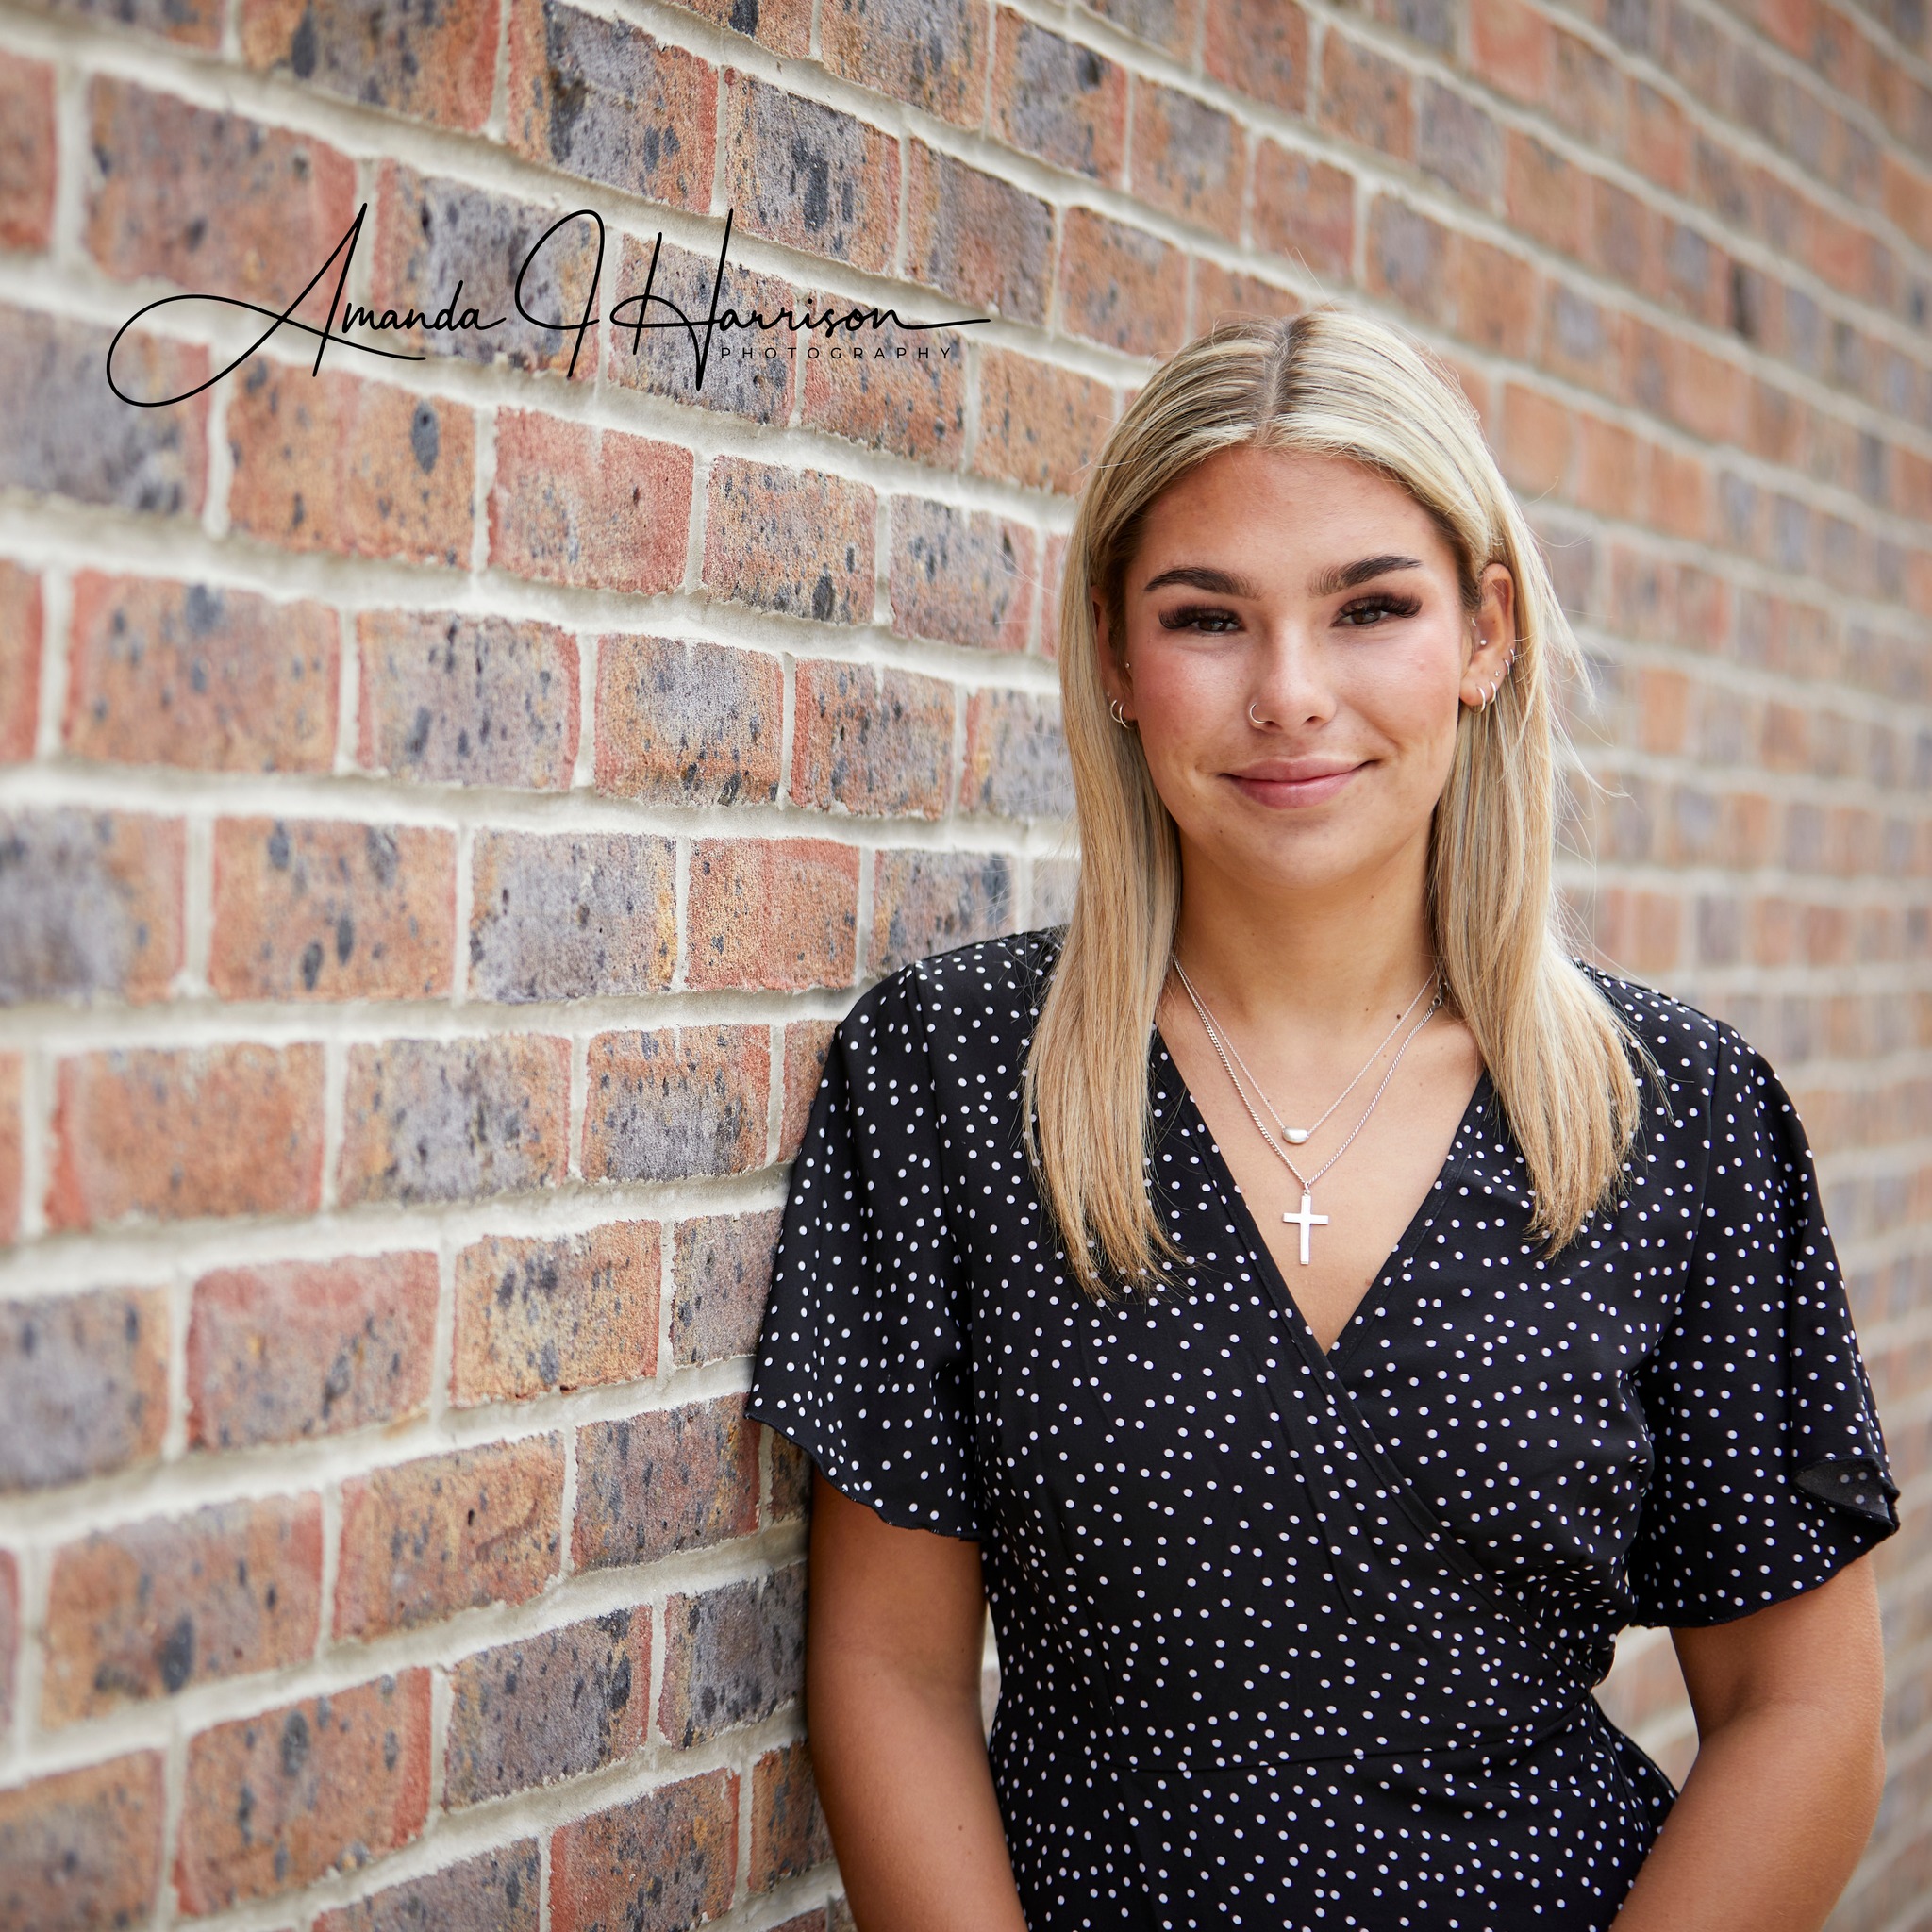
1324	584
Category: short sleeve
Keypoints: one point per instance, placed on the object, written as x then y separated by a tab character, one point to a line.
1770	1463
864	1360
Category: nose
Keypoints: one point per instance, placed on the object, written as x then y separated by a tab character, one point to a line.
1292	685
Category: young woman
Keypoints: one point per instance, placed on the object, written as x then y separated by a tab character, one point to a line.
1312	1307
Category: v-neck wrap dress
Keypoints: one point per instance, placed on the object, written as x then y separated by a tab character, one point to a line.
1295	1639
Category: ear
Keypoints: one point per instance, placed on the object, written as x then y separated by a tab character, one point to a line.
1488	638
1112	679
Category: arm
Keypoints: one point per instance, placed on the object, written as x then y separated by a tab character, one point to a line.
892	1646
1782	1796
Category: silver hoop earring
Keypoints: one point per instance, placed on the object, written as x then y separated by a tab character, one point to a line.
1119	716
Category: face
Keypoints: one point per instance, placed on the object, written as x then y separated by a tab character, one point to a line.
1321	594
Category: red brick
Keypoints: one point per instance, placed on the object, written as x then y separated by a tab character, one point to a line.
332	911
1510	46
432	65
26	153
790	1498
186	23
192	674
174	1133
214	202
771	913
1189	159
685	721
563	1311
1538	440
925	902
285	1350
1365	97
1411	258
1305	211
806	175
1458	143
1039	425
576	505
669	1479
571	915
329	462
1657	137
1221	291
1609	468
424	1540
789	1834
1544	194
675	1104
871	741
978	237
732	1655
1585	94
551	1705
10	1637
452	699
1259	48
454	1120
666	1857
783	25
501	1889
94	905
20	661
1121	286
82	1849
884	387
1016	757
434	237
793	541
281	1799
83	1385
1495	297
150	1608
932	55
606	101
69	434
1059	100
720	1274
806	1043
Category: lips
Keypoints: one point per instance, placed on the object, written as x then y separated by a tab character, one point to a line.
1309	781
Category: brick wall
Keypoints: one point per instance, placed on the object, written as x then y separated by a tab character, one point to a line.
447	803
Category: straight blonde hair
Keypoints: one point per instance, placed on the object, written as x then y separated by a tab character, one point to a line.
1340	383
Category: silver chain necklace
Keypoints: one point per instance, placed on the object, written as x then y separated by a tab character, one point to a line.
1306	1218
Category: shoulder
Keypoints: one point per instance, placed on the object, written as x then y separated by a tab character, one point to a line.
990	986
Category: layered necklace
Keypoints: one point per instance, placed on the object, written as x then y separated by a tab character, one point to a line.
1306	1217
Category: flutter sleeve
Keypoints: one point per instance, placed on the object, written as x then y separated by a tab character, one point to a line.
864	1359
1770	1470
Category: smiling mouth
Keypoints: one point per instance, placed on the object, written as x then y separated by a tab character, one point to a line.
1294	792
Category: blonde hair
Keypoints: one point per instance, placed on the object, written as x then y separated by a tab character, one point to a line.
1332	382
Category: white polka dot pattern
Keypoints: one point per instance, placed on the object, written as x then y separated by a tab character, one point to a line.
1291	1638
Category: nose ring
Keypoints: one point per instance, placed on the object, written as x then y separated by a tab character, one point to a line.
1252	718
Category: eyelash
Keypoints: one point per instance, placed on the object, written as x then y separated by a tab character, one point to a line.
1187	616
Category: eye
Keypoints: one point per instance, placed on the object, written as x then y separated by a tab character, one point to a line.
1194	616
1383	604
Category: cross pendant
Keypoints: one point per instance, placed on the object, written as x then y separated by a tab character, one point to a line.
1308	1218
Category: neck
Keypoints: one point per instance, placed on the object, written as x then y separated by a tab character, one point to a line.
1313	971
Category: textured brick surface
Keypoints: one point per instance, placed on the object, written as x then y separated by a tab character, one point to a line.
669	1105
291	1349
93	905
929	53
196	674
558	917
667	1480
1189	159
10	1636
886	387
574	505
1305	210
788	1830
790	1497
1038	425
794	541
433	64
771	912
1260	49
667	1857
451	699
435	1120
1121	286
1016	759
171	1133
548	1706
981	240
1057	99
926	902
961	577
21	613
806	1043
720	1274
732	1655
871	741
157	1607
332	910
570	1312
26	153
329	462
686	722
83	1848
278	1800
444	1533
83	1385
501	1889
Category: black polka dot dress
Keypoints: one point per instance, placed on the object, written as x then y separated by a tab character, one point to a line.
1300	1640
